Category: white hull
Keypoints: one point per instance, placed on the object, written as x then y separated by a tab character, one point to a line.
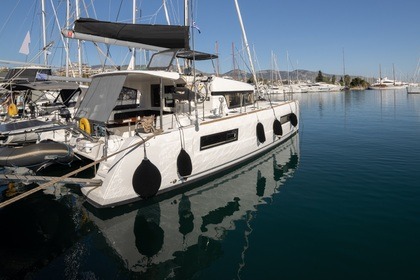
321	87
387	87
162	151
385	83
413	89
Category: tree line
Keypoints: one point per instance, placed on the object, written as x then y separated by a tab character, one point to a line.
347	82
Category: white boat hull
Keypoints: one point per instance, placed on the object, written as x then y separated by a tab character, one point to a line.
413	89
163	150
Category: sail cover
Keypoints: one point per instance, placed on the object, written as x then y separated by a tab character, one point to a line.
147	36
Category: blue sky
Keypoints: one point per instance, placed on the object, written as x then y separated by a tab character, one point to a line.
314	34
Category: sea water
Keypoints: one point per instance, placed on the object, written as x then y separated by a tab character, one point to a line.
339	200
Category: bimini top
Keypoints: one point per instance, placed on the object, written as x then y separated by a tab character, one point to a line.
44	85
25	74
164	59
195	55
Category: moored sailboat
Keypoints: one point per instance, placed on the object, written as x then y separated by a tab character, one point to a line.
171	129
413	88
385	83
155	130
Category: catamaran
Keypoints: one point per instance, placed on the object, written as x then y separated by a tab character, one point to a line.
163	128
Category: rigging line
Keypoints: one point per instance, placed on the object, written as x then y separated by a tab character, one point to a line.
105	55
59	28
175	12
86	8
119	10
181	132
257	61
8	18
33	20
242	59
93	7
154	16
108	47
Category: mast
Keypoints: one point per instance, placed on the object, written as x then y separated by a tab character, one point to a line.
217	60
380	75
393	73
67	39
79	43
186	12
288	71
344	70
44	35
272	68
233	61
132	64
246	44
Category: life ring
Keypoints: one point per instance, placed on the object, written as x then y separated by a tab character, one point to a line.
84	125
12	110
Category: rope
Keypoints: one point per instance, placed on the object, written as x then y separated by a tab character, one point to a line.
58	179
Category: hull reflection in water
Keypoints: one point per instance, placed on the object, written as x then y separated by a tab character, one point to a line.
179	234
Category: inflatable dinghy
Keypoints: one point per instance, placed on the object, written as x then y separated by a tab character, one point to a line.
37	155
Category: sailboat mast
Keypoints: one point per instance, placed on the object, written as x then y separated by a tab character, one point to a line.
44	35
79	43
132	64
217	60
233	62
380	75
288	71
186	12
187	15
246	44
344	69
67	39
393	72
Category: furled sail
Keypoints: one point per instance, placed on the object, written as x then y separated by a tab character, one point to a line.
145	36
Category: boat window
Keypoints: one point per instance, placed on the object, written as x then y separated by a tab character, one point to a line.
285	119
168	91
128	96
68	96
233	99
161	60
217	139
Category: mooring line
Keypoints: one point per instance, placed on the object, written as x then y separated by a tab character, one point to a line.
58	179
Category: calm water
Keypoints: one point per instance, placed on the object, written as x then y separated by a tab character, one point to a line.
340	200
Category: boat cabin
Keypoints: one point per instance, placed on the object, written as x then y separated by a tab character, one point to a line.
125	97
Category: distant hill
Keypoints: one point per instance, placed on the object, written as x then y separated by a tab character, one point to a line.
301	75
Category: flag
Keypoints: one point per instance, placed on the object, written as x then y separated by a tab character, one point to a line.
25	45
194	25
